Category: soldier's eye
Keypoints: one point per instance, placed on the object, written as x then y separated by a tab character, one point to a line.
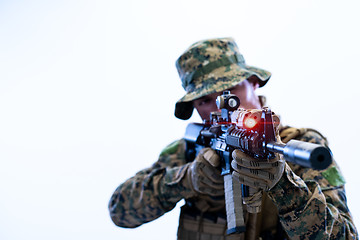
204	101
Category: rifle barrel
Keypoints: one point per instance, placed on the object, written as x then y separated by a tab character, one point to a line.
303	153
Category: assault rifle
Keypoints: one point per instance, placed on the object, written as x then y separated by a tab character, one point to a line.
253	132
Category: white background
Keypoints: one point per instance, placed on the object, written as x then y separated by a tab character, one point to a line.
87	94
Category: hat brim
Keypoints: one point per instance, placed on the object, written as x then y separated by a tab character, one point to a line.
218	80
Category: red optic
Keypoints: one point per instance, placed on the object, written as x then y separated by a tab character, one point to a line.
250	123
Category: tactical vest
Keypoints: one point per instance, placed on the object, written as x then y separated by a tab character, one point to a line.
197	225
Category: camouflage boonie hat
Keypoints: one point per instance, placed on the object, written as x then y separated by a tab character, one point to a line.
210	66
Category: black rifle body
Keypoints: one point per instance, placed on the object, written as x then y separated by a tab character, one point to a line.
260	143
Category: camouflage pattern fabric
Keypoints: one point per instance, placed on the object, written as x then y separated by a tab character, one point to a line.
142	198
210	66
310	204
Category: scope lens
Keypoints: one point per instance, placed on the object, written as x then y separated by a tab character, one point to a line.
232	102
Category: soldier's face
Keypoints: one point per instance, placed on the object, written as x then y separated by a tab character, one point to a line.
244	90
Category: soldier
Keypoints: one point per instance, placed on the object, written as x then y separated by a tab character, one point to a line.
296	202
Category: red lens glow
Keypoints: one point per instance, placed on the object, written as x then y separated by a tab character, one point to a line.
250	123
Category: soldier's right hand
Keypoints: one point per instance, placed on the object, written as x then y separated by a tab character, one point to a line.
203	175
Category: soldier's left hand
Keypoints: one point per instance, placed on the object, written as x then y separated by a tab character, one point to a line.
255	173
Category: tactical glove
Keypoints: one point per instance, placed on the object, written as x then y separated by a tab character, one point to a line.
259	175
255	173
203	176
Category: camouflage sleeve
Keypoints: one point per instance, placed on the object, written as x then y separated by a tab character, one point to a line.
312	204
146	196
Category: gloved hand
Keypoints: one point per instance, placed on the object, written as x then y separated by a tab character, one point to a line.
255	173
203	176
259	175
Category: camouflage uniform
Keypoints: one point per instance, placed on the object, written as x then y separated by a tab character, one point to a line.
304	204
309	204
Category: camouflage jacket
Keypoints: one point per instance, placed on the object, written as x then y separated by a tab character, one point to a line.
309	204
